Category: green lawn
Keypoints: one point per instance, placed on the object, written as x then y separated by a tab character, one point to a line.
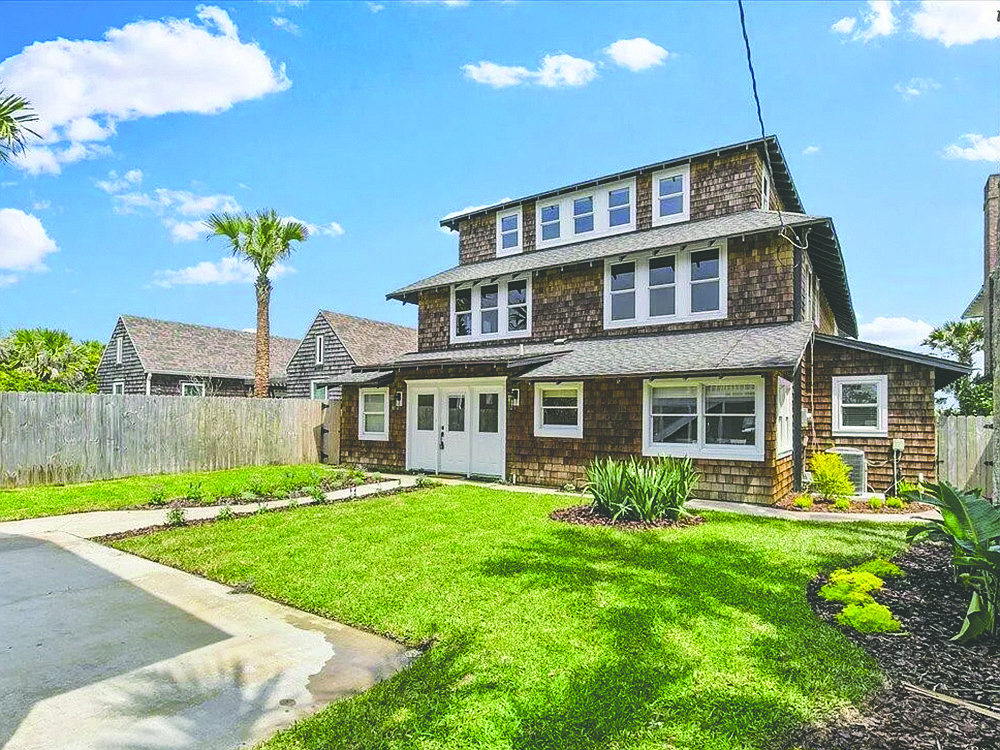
549	635
131	492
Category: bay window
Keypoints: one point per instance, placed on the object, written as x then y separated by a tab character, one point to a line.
672	196
373	414
498	308
559	410
666	287
710	418
587	214
860	405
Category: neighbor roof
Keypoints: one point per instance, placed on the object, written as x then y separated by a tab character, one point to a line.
823	248
977	306
782	180
168	347
371	341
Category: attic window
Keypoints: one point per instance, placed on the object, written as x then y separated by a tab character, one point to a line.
118	350
586	214
320	340
550	222
672	196
509	232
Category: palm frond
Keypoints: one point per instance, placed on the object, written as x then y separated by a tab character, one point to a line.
16	113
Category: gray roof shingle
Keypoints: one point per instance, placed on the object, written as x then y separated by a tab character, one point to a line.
371	341
165	346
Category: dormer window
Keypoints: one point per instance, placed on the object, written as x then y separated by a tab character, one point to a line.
587	214
619	207
671	196
493	309
583	215
509	232
550	222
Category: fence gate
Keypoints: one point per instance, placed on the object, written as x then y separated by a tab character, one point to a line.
965	452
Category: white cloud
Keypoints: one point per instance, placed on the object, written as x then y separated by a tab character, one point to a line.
555	71
900	332
7	279
956	21
183	202
636	54
82	89
916	86
186	231
810	150
333	229
845	25
24	243
286	24
226	271
442	3
115	184
376	7
975	147
41	205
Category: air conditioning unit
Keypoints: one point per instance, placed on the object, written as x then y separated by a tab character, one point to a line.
855	459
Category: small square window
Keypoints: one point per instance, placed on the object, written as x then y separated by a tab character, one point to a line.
318	390
860	405
118	388
559	410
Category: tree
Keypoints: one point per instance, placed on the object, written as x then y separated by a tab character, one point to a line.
963	339
263	240
44	359
15	116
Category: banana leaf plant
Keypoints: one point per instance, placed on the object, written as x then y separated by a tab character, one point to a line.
970	524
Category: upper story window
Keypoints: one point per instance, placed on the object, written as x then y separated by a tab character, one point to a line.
118	350
765	191
860	405
320	340
491	309
509	232
666	287
587	214
672	195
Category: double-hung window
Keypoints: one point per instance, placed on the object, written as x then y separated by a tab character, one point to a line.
373	414
712	418
620	207
587	214
665	287
509	232
583	215
320	340
783	428
549	222
860	405
559	410
672	196
492	309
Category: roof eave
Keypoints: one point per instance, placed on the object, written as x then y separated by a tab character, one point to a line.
947	371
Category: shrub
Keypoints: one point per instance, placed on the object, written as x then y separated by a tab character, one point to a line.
841	503
849	587
157	495
258	489
869	617
831	477
194	491
176	517
280	494
225	513
803	502
247	496
569	487
315	492
878	567
875	503
894	502
903	487
423	480
636	490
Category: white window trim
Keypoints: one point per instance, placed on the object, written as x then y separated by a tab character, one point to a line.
685	214
882	430
118	388
362	434
320	346
765	190
701	449
559	431
682	287
200	387
118	350
503	333
602	225
784	438
312	390
503	252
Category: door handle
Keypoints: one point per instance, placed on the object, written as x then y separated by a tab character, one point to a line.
441	445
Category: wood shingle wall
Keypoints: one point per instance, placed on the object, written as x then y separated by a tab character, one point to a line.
302	368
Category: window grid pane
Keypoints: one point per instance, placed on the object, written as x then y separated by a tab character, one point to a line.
425	411
583	215
560	407
489	412
662	294
619	207
550	222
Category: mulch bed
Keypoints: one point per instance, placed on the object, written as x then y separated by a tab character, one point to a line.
857	506
585	515
931	608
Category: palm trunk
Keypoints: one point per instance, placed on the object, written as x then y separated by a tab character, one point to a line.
262	363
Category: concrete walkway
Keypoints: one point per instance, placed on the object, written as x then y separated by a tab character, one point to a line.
102	650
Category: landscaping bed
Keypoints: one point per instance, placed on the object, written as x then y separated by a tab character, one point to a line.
818	504
930	607
586	515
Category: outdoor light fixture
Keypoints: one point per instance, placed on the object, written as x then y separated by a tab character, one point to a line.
515	397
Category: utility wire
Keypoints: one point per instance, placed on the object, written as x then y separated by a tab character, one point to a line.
785	231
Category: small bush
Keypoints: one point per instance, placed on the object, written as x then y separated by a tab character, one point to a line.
902	487
636	490
831	477
158	495
315	492
569	487
878	567
850	587
280	494
194	491
422	480
875	503
869	617
894	502
247	496
842	503
176	517
225	513
376	477
258	489
803	502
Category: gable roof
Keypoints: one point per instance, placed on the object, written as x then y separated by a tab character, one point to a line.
371	341
169	347
823	248
779	167
946	371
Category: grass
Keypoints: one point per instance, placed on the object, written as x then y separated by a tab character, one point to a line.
133	492
549	635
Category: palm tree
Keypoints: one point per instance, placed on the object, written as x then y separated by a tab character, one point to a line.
15	115
52	357
263	240
962	338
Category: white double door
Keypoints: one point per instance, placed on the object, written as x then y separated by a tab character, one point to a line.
456	426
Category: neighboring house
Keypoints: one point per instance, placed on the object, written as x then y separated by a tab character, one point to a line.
653	312
335	343
164	358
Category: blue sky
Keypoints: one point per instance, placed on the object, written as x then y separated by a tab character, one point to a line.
371	121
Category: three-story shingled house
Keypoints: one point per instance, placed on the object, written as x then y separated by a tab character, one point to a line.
684	308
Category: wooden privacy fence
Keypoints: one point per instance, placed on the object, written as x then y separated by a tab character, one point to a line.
76	437
965	451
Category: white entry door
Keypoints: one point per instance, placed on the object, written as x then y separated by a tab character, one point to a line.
488	430
454	431
423	434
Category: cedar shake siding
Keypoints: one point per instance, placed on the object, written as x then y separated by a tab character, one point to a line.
569	302
130	371
302	368
911	411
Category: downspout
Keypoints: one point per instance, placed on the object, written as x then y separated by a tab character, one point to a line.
798	449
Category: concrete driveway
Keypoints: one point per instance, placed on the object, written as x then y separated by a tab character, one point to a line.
101	649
